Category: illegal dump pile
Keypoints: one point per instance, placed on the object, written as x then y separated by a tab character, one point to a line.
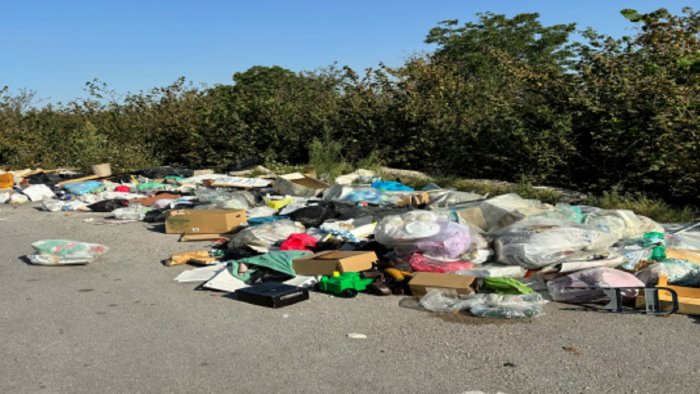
274	238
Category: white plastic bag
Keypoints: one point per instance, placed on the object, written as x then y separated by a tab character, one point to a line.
132	212
38	192
539	241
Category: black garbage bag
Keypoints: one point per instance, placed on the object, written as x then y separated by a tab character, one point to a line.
163	171
108	205
313	215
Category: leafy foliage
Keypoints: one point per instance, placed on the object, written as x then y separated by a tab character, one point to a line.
504	98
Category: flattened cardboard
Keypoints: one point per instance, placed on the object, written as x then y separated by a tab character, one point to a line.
324	263
202	237
204	221
424	281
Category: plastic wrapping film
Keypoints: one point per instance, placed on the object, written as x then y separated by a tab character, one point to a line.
538	241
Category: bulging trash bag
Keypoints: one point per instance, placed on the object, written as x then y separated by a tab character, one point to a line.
65	252
622	223
503	210
486	305
132	212
357	194
603	277
537	242
226	200
262	237
423	231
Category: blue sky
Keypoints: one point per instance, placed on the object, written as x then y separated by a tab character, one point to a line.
54	47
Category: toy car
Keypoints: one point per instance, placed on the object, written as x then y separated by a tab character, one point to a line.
347	284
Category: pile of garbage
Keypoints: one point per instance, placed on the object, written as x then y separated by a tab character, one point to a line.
273	238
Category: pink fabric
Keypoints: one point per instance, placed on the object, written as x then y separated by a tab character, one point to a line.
423	263
299	241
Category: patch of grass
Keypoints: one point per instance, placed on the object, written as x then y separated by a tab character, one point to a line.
653	208
372	162
282	168
325	156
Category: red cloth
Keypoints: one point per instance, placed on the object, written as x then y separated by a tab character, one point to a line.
299	241
122	189
423	263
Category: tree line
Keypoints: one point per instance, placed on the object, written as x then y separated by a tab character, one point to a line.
498	97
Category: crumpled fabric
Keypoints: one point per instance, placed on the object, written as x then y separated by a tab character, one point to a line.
279	261
299	241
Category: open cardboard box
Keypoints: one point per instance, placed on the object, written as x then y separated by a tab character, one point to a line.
296	184
204	221
450	284
325	263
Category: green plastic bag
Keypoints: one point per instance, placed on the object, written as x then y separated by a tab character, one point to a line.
506	286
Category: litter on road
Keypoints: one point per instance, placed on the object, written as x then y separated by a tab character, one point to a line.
270	240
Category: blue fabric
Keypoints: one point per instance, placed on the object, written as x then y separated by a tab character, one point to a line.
390	186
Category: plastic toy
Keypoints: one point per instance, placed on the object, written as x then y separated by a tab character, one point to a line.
347	284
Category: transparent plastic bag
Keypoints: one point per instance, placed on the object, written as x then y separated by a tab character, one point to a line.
423	231
226	200
132	212
424	263
486	305
262	237
678	272
537	242
622	223
65	252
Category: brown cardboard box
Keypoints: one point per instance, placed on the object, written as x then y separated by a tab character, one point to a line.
451	283
473	216
296	184
204	221
324	263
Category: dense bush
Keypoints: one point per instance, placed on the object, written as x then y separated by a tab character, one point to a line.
499	97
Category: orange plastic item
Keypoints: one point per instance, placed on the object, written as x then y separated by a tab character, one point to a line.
7	181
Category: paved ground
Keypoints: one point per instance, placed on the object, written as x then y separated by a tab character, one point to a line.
122	325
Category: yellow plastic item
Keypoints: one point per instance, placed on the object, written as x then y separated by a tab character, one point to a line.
278	204
397	274
336	274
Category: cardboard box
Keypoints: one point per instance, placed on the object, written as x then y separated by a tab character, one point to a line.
324	263
204	221
272	294
296	184
449	283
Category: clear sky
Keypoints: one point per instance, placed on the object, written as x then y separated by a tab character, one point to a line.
54	47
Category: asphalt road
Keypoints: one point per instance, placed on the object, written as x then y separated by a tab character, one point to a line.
121	324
